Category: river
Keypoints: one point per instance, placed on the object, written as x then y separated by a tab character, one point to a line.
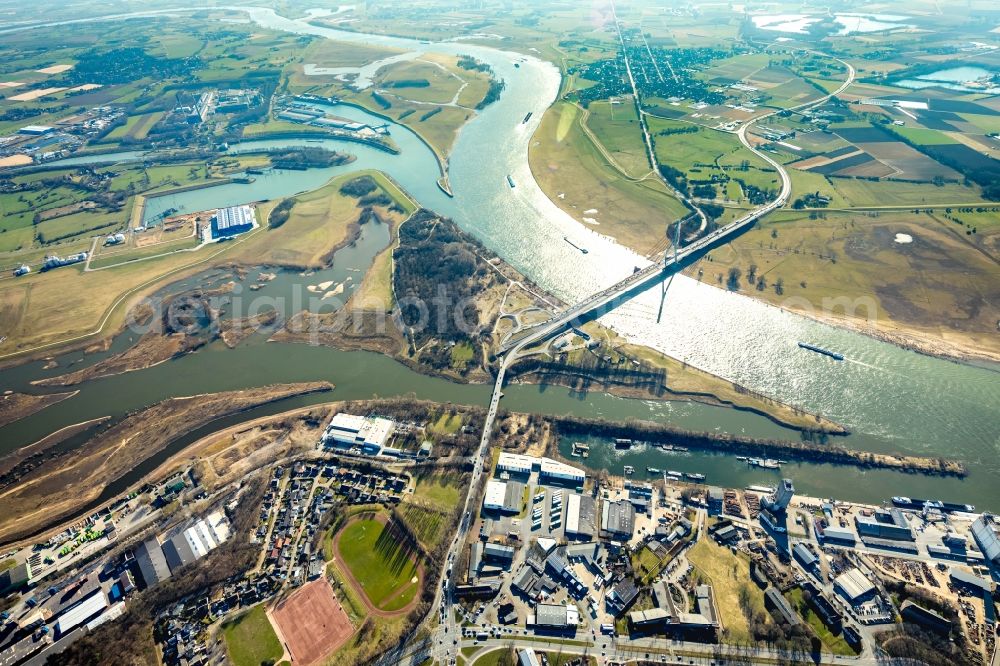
891	399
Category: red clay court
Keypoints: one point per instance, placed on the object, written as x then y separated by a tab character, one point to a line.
311	622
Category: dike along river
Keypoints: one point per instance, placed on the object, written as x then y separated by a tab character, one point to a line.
891	399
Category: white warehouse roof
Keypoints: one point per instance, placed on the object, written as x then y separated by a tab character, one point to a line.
515	462
521	464
495	492
82	612
854	584
351	429
560	470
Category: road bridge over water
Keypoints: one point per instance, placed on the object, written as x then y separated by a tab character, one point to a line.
607	298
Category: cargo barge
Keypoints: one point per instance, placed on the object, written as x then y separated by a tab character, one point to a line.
916	503
581	249
819	350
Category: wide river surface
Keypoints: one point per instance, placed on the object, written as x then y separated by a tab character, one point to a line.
891	399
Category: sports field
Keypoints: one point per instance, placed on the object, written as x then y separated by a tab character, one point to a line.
312	622
250	640
381	564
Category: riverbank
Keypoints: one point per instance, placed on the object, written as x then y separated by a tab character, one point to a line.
702	388
945	344
63	484
20	458
16	406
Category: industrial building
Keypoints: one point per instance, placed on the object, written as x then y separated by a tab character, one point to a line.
622	595
87	609
555	471
805	556
370	434
927	618
715	499
152	564
515	463
889	525
838	535
854	586
581	514
782	497
55	261
705	619
196	541
561	617
527	657
231	221
36	130
549	471
503	496
986	532
617	520
776	601
15	577
964	579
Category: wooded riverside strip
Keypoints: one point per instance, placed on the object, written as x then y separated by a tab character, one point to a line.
733	444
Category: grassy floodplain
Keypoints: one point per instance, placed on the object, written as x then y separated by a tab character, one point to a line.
431	94
576	174
70	303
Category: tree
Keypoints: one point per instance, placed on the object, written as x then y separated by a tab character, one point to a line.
733	281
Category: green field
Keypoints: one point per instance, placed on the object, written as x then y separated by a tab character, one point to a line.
729	576
461	355
709	153
136	127
924	137
617	128
427	524
441	489
250	639
385	568
577	176
856	192
446	424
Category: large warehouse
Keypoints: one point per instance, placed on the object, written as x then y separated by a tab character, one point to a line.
985	532
89	608
884	525
549	470
368	433
617	520
580	517
504	496
228	222
152	563
854	586
555	616
196	541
